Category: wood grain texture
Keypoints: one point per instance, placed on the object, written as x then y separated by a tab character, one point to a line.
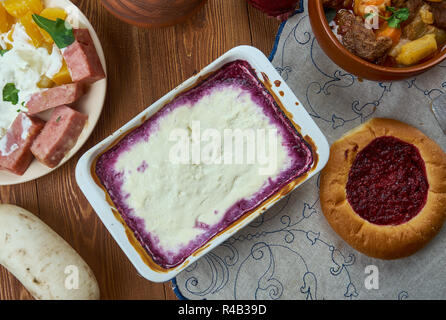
153	13
143	65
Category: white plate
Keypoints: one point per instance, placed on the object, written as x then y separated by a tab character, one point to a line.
97	197
90	104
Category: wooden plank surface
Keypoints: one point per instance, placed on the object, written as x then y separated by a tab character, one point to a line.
143	65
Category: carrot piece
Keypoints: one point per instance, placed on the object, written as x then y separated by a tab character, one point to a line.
360	5
392	33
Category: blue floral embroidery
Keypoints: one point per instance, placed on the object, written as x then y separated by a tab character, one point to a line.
403	295
224	260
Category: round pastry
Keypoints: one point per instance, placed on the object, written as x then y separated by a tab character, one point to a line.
384	189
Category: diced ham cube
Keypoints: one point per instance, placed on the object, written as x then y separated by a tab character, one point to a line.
55	97
59	136
82	58
15	145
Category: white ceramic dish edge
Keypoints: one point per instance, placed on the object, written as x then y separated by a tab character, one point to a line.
97	198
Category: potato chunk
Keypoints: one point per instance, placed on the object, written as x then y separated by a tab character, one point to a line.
415	51
63	76
45	82
18	8
32	29
426	15
5	20
51	14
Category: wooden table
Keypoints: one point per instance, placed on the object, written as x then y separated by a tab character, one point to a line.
143	65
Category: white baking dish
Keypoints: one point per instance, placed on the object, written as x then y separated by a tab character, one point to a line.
98	199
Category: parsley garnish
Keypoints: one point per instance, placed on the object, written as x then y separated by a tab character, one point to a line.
397	17
394	21
11	93
58	118
61	32
3	51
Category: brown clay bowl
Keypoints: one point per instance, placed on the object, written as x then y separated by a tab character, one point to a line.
153	13
353	64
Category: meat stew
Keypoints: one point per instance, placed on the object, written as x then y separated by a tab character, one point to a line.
391	33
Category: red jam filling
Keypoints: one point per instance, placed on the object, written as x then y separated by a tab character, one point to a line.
387	183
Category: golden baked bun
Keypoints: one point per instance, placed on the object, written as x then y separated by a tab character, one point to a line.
384	189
